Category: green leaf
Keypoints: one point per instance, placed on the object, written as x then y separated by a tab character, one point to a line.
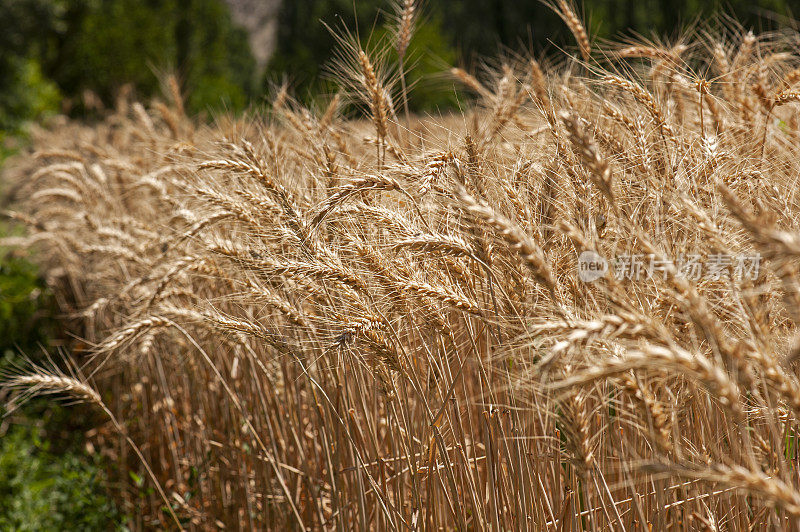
139	481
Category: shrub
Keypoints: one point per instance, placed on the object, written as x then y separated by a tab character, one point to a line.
40	490
25	307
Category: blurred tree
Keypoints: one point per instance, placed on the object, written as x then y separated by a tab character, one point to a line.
101	45
527	24
107	43
303	57
429	53
24	92
213	56
305	44
54	47
482	28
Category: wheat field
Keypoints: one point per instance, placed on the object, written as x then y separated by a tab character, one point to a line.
298	319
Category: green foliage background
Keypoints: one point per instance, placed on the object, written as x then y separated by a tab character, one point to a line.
47	481
43	490
51	51
110	42
306	63
470	31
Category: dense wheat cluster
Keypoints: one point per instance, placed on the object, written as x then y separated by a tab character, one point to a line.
306	321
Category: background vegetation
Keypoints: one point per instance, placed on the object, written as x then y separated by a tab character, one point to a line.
47	479
53	51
